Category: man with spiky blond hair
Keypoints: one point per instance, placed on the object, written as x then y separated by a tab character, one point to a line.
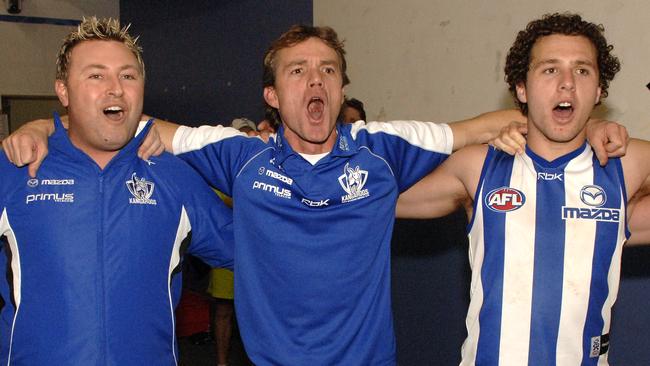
93	245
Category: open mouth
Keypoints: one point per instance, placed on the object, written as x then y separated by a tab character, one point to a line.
114	112
563	109
315	108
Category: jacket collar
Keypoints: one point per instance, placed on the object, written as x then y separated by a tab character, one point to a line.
60	141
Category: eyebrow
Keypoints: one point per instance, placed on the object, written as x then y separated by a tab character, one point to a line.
304	62
104	67
554	61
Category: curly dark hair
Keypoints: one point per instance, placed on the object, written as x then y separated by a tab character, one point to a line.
518	59
297	34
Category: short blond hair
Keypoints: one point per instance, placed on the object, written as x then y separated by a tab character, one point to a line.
89	29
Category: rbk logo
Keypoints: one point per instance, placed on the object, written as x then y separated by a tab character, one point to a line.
549	176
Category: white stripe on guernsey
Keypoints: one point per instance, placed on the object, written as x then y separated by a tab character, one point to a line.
476	256
184	228
613	279
519	260
426	135
194	138
6	230
579	239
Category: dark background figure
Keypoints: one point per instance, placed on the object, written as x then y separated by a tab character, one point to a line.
352	111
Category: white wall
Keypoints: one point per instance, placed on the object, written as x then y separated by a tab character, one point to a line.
28	61
443	60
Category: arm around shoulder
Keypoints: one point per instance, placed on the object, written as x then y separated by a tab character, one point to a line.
484	127
450	186
28	144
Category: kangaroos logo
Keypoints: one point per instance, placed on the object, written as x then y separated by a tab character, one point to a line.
593	196
352	181
505	199
141	190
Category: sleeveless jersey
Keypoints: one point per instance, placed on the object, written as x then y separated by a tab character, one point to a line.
545	250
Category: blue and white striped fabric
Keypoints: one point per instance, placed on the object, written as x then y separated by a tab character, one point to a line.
545	247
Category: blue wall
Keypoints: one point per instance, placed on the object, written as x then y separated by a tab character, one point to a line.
204	57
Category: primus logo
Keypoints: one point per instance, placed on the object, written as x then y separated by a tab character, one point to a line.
598	214
280	192
55	197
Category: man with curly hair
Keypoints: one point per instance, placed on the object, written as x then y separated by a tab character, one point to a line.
547	226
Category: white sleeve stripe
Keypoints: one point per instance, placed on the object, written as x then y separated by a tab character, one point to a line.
194	138
436	137
184	227
5	229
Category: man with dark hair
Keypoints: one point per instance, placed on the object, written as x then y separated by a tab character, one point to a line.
352	111
547	227
92	248
314	287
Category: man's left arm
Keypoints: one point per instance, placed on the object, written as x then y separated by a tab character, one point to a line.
636	168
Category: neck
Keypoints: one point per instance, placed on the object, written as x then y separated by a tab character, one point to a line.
550	149
100	157
303	146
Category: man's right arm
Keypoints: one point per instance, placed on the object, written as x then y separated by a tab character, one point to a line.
450	186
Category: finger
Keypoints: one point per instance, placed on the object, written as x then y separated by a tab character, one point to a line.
32	168
500	145
512	143
615	150
154	149
25	151
144	152
159	150
601	154
519	140
7	150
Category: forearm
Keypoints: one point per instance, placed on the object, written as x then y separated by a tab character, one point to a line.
484	127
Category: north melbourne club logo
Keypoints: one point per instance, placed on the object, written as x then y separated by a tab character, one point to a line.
141	190
352	181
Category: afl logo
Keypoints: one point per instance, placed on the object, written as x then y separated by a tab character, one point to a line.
593	196
505	199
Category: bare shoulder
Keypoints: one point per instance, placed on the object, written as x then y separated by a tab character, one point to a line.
467	164
469	157
636	165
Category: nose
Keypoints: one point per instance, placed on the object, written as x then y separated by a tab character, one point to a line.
114	87
567	82
315	79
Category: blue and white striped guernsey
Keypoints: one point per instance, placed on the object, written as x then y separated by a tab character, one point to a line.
545	248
